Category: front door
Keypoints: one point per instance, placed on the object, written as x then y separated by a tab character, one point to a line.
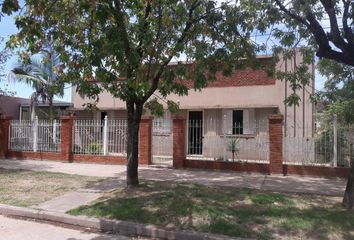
195	133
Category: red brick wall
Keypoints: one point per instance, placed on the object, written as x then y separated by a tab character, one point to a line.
276	144
316	171
4	135
67	123
54	156
99	159
145	141
245	77
179	142
232	166
242	77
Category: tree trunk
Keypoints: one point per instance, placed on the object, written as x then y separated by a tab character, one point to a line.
51	112
134	112
348	198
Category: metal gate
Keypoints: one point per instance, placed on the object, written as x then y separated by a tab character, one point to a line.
195	133
162	141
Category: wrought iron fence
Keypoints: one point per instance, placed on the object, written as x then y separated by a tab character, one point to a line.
35	136
213	139
100	137
331	146
117	137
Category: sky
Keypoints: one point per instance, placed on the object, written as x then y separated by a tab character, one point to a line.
7	27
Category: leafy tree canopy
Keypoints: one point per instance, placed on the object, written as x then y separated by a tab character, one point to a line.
316	27
126	48
8	6
338	93
4	55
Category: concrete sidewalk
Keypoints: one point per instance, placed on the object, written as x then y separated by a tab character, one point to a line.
297	184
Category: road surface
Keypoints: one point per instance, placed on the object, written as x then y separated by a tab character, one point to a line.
18	229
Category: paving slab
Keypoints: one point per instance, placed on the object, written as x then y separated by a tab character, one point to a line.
125	228
86	169
300	184
215	178
296	184
17	229
104	186
68	201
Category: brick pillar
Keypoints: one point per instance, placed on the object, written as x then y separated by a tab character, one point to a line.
4	135
145	140
67	123
179	141
276	144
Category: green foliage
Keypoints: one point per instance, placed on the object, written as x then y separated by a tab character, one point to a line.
4	55
338	93
155	107
8	6
230	211
41	72
126	47
93	148
233	147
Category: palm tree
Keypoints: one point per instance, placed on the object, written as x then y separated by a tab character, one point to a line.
42	75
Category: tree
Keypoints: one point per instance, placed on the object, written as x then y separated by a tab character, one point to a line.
338	42
4	55
339	99
41	73
314	23
8	7
338	93
126	47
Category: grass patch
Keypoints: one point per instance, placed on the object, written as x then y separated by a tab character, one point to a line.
226	210
26	188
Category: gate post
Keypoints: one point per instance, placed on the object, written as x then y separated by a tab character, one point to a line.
179	141
275	144
105	136
145	140
5	135
67	123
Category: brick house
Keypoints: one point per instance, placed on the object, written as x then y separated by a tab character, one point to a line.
235	105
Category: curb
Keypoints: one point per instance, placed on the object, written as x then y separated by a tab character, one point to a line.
113	226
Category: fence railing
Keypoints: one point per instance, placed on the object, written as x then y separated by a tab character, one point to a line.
213	139
331	146
35	136
100	137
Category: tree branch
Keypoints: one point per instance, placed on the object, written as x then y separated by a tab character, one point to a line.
348	33
143	29
180	40
334	36
120	21
291	14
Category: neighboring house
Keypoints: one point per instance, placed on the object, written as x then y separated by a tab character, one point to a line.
236	105
20	108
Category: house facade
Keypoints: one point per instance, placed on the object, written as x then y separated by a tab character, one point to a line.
231	106
20	108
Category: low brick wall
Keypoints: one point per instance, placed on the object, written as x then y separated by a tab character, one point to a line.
316	171
232	166
99	159
54	156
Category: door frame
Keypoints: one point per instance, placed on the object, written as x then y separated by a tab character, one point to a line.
187	135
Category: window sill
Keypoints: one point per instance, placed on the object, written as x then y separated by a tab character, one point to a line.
239	136
161	133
